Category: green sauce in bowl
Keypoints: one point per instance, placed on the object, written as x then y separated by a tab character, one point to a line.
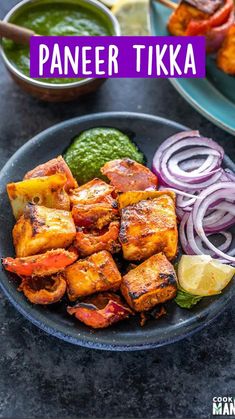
53	19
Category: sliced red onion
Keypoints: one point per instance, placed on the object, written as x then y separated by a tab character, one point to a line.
230	176
192	164
205	166
185	203
220	190
223	247
183	238
227	221
200	208
227	206
213	218
172	181
205	191
180	147
168	143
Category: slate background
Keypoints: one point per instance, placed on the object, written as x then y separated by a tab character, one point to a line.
42	377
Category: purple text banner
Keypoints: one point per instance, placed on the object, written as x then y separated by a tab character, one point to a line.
117	57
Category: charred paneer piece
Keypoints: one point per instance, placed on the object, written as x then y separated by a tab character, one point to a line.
97	240
94	215
226	55
182	16
93	192
149	225
151	283
128	175
47	191
96	273
40	229
52	167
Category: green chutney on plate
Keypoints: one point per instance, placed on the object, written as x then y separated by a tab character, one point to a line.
53	19
94	147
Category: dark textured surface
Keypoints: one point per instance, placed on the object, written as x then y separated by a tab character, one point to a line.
42	377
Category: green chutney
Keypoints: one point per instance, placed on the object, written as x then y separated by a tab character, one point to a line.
53	19
95	147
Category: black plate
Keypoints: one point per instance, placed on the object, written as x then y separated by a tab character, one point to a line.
148	132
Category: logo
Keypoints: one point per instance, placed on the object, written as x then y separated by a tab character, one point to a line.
223	406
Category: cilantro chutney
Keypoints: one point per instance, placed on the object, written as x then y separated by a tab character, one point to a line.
54	18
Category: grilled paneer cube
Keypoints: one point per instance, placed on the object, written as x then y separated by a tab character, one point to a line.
95	241
52	167
95	273
47	191
94	215
40	229
226	55
92	192
151	283
128	175
182	16
148	227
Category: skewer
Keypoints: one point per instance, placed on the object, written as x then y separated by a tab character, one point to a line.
169	3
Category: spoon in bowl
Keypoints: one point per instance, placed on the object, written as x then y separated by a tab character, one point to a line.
16	33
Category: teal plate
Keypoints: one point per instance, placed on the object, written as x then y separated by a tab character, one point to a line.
214	96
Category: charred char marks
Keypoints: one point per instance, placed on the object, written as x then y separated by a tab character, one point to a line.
114	205
135	295
31	215
169	279
122	234
129	162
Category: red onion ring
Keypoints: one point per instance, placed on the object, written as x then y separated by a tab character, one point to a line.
207	165
223	247
205	192
198	213
175	149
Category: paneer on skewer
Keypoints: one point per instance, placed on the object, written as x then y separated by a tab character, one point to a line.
226	54
97	272
180	19
211	19
148	224
153	282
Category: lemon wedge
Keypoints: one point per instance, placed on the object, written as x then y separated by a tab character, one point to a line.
203	276
108	3
133	17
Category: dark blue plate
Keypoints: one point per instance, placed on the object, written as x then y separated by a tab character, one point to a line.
148	132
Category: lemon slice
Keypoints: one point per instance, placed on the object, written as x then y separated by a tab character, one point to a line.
133	17
202	275
108	3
